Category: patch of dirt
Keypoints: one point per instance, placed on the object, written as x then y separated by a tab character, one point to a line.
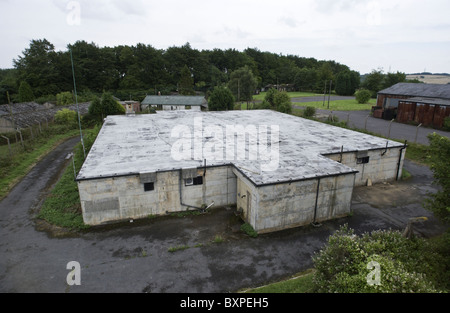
54	231
387	195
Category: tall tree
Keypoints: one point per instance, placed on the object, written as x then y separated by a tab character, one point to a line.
306	79
37	67
347	82
25	92
220	99
186	83
374	81
242	84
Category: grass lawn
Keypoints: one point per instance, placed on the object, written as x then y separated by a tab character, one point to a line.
300	283
339	105
14	168
295	94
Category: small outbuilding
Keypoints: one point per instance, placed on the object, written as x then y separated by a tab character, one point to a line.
171	103
428	104
280	171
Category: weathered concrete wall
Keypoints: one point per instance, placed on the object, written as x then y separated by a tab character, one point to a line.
119	198
382	165
247	198
280	206
287	205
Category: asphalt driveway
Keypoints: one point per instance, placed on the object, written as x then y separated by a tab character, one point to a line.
363	120
209	255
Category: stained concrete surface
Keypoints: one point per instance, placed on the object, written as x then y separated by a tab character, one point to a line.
134	257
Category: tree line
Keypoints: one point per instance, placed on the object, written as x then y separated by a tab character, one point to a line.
142	69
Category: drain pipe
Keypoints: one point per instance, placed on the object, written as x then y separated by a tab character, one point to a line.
400	159
314	223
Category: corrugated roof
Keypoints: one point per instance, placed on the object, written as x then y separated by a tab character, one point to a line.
438	101
419	90
174	100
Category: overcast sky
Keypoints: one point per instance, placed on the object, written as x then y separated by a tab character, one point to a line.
395	35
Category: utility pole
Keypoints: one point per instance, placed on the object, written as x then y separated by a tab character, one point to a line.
324	93
76	100
329	95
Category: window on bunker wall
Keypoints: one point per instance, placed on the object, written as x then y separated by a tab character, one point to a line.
363	160
149	186
194	181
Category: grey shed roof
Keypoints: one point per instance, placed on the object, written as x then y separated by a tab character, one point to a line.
436	101
175	100
131	145
419	90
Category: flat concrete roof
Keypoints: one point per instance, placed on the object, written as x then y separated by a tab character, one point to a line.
133	145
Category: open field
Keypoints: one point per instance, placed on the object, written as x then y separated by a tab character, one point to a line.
431	79
339	105
296	94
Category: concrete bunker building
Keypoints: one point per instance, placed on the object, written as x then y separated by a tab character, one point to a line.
133	172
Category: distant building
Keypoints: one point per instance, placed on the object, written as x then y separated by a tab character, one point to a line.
428	104
173	103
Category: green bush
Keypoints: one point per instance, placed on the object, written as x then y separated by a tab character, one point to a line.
66	117
405	265
446	126
309	112
363	96
64	98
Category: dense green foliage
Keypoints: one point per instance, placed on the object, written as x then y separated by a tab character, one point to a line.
405	265
242	84
377	80
439	155
142	69
220	99
66	117
104	106
25	92
186	84
277	101
363	96
347	82
64	98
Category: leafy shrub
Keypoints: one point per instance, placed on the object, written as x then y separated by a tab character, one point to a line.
342	266
248	229
66	117
25	92
363	96
446	126
309	112
64	98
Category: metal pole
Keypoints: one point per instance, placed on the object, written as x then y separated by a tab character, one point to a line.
389	131
73	163
417	132
324	93
21	138
365	123
76	100
329	95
